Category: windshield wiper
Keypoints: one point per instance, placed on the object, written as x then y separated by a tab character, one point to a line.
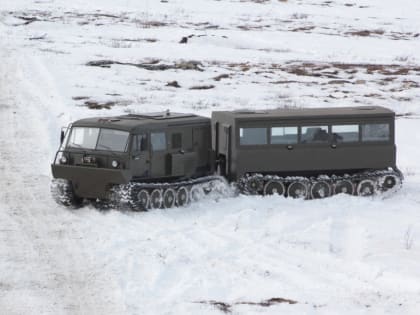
104	146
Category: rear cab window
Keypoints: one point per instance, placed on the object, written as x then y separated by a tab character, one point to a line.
375	132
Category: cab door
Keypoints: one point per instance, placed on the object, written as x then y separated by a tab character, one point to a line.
140	156
158	154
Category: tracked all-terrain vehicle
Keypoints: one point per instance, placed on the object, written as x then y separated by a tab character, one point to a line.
146	161
166	159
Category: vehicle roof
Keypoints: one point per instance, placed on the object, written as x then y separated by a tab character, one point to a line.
318	112
133	122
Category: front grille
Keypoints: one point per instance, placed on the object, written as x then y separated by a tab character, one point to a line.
87	159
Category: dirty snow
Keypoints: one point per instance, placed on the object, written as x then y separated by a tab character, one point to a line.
341	255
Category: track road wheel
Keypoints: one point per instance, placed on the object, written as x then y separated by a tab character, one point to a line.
389	182
63	193
169	197
320	189
366	187
182	196
274	187
156	199
142	200
196	193
344	187
298	190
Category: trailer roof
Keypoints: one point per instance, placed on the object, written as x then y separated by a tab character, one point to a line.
319	112
133	122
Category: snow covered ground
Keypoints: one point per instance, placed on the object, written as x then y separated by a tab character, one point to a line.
341	255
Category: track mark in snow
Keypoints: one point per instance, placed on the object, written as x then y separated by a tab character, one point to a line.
38	240
346	237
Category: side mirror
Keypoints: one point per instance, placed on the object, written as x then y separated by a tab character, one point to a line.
62	135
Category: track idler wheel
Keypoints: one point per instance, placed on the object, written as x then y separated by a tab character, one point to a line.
389	182
254	185
274	187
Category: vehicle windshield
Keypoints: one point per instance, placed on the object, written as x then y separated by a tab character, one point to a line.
98	139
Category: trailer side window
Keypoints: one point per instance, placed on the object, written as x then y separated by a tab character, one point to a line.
345	133
158	140
284	135
252	136
314	134
375	132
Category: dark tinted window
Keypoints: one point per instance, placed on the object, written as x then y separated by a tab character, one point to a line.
252	136
375	132
314	134
140	142
176	141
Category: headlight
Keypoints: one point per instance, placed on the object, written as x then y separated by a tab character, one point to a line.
115	164
63	159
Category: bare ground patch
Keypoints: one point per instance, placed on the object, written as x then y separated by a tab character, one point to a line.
155	65
93	104
227	307
97	18
202	87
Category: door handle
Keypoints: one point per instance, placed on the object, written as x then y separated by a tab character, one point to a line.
334	146
289	147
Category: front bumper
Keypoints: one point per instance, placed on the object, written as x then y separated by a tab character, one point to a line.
91	182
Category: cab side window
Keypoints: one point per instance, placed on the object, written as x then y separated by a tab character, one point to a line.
158	141
140	143
176	141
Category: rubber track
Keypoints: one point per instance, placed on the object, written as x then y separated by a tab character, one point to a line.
261	180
